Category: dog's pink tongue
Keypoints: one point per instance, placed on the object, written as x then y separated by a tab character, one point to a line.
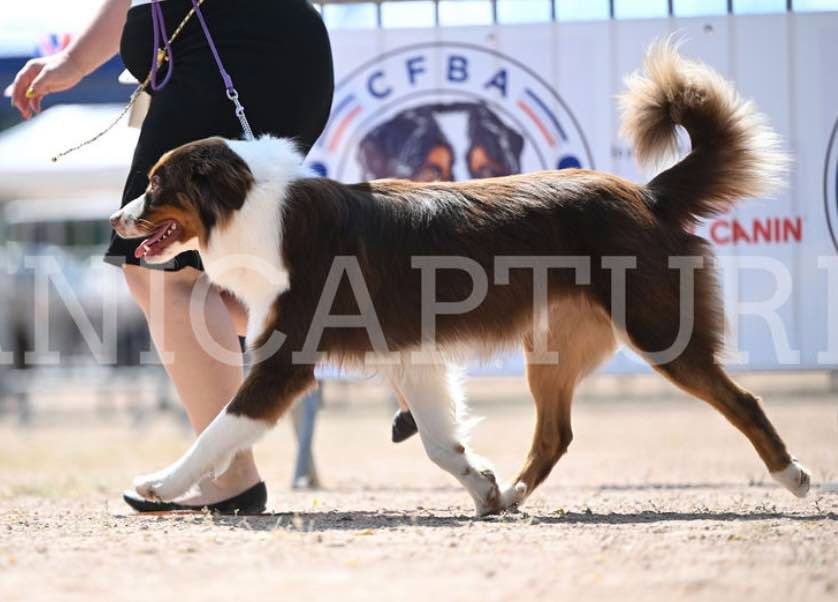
144	246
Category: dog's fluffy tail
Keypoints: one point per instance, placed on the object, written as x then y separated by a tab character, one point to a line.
735	153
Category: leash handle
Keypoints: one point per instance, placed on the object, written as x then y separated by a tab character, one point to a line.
159	24
159	58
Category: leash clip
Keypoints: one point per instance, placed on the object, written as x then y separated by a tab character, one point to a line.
233	95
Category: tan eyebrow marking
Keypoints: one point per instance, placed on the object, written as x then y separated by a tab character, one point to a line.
160	161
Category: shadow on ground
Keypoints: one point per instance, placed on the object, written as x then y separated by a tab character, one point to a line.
376	520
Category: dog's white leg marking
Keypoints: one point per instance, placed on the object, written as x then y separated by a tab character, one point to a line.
212	452
794	477
435	398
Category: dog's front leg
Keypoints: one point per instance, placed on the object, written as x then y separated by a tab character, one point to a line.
267	392
211	453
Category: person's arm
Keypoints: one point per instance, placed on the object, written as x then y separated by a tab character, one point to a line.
94	46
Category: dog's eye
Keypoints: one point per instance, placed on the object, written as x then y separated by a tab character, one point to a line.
152	191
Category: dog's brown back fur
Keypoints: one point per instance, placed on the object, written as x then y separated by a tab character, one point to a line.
386	224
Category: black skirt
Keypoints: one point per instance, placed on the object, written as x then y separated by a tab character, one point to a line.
278	55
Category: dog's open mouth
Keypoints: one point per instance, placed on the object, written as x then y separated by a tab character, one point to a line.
161	237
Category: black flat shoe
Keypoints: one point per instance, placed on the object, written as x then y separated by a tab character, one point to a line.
251	501
404	426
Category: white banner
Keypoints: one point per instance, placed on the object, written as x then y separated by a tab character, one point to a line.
456	103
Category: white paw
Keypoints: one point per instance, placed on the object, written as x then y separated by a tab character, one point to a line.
149	485
497	501
487	502
794	477
164	486
513	495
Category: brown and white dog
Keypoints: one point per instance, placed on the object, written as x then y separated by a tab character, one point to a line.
566	261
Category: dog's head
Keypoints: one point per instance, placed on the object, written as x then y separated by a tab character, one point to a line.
191	191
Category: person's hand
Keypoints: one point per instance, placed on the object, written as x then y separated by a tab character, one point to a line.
42	76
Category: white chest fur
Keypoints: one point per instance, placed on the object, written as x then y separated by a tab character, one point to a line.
244	255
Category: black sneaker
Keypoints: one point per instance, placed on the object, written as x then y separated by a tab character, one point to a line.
404	426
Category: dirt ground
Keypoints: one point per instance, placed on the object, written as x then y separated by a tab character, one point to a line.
655	500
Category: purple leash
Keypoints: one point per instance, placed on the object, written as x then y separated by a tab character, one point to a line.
160	31
160	27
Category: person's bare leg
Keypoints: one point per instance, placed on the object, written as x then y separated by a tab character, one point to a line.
400	399
237	311
204	383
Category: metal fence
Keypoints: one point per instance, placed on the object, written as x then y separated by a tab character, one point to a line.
374	13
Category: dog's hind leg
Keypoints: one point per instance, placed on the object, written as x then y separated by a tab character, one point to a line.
652	324
583	337
702	377
434	395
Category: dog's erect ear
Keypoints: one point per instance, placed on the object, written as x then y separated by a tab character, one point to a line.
220	178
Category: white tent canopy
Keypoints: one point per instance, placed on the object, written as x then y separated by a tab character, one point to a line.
99	169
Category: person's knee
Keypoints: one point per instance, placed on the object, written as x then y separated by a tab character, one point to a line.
172	287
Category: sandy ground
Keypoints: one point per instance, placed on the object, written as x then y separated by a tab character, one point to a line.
655	500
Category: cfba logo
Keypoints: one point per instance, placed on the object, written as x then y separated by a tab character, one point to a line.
446	111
